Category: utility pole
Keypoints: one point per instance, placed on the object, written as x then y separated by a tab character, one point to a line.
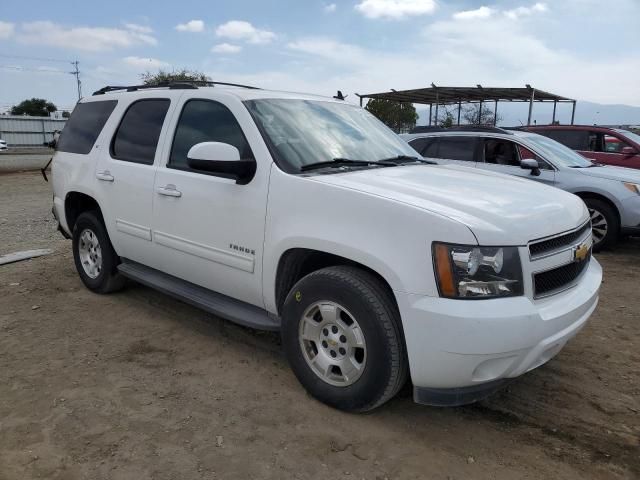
76	72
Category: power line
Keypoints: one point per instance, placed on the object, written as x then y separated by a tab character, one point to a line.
29	69
38	59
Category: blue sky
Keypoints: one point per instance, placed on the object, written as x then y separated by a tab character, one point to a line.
583	49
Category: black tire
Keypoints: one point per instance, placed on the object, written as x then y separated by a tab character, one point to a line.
601	210
371	304
108	279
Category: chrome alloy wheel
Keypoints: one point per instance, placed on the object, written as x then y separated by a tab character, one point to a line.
599	225
333	344
90	253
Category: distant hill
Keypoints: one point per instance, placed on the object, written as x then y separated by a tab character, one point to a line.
587	113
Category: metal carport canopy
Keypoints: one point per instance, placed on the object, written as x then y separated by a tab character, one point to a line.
436	95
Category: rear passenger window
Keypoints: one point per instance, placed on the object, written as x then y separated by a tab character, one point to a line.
457	148
205	121
137	137
84	126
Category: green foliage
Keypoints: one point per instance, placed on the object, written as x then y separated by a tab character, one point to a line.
183	75
65	114
473	116
400	117
34	107
447	121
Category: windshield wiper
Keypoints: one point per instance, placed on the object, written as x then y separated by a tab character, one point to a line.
402	159
344	162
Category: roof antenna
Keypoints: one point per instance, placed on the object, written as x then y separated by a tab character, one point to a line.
339	96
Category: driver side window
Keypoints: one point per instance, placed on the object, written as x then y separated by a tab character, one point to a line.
526	153
205	121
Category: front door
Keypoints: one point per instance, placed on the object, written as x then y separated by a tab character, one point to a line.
209	230
504	156
607	148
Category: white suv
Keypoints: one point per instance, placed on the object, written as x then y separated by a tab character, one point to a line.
307	215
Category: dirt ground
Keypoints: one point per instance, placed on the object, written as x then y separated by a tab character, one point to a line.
137	385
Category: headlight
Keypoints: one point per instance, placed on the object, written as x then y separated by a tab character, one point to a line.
468	271
634	187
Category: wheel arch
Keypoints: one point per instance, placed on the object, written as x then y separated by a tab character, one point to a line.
76	203
295	263
603	198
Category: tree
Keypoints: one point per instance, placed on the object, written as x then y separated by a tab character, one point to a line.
183	75
65	114
400	117
473	116
34	107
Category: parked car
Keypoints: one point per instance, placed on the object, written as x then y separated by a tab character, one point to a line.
307	215
610	146
612	194
3	145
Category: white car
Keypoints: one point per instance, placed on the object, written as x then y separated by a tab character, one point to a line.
3	145
307	215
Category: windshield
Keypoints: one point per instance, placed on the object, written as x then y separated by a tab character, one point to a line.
305	132
557	153
634	137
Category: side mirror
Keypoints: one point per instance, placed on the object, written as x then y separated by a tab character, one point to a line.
221	160
628	151
530	164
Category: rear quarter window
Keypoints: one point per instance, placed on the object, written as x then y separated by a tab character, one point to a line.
84	126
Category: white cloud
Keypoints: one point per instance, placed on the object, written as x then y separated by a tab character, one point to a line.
191	26
92	39
6	29
516	13
395	9
479	13
145	63
330	8
244	31
226	48
138	28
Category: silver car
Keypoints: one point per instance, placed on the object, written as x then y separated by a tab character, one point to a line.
612	194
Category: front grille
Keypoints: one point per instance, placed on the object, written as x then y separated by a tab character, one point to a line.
551	281
543	247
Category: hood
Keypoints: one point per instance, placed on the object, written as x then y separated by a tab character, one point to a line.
609	172
499	209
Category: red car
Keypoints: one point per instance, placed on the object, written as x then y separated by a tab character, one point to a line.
610	146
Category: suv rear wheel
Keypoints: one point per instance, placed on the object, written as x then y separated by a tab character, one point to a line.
341	334
604	223
94	256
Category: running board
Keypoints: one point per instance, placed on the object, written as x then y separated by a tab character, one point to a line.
226	307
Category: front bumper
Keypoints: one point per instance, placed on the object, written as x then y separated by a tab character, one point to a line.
460	347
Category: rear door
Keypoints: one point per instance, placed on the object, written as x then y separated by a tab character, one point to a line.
126	170
504	156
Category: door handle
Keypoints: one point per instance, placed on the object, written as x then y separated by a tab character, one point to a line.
105	176
169	191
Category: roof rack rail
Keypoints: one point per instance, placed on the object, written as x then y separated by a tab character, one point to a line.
459	128
178	85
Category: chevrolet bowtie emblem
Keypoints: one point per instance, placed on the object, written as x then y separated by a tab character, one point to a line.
581	251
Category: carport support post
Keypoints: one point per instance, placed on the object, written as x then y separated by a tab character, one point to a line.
430	108
480	114
555	104
573	112
437	105
459	108
495	114
533	97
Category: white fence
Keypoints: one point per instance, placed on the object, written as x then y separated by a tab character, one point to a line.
23	131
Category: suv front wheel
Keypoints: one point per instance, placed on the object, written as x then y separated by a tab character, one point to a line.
341	334
94	256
